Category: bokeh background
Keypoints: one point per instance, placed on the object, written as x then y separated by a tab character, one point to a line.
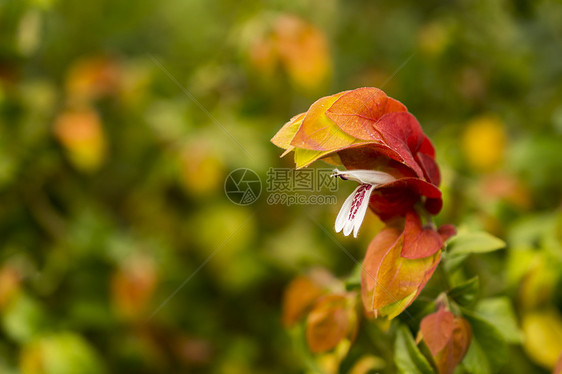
119	122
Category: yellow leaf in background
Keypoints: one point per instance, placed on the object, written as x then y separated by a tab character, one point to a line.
367	364
433	38
483	143
29	31
202	170
61	353
81	134
538	285
543	336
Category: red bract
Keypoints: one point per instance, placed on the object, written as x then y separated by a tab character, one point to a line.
447	337
389	281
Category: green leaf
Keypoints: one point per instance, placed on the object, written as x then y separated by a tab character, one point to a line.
452	262
474	242
499	312
466	293
475	361
407	356
489	339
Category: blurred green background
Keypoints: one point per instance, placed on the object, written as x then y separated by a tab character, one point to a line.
119	122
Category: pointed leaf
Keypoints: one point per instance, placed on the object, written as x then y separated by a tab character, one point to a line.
419	241
499	312
447	231
465	294
474	242
357	111
455	349
437	329
475	361
489	339
285	135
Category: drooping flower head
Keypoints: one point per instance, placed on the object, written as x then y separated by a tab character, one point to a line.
365	129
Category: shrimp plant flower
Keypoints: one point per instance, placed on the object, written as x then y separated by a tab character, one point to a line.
383	148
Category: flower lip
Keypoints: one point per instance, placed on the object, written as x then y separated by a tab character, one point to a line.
373	177
353	210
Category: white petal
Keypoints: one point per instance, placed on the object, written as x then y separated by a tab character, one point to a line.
341	219
353	211
360	215
373	177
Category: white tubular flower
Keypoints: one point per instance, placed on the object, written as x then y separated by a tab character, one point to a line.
353	210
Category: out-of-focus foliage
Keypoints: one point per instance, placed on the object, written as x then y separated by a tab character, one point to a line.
119	121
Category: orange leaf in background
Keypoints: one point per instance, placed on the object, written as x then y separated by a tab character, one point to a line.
331	320
192	351
132	287
81	133
10	279
299	297
303	49
505	187
389	280
419	241
90	78
263	55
